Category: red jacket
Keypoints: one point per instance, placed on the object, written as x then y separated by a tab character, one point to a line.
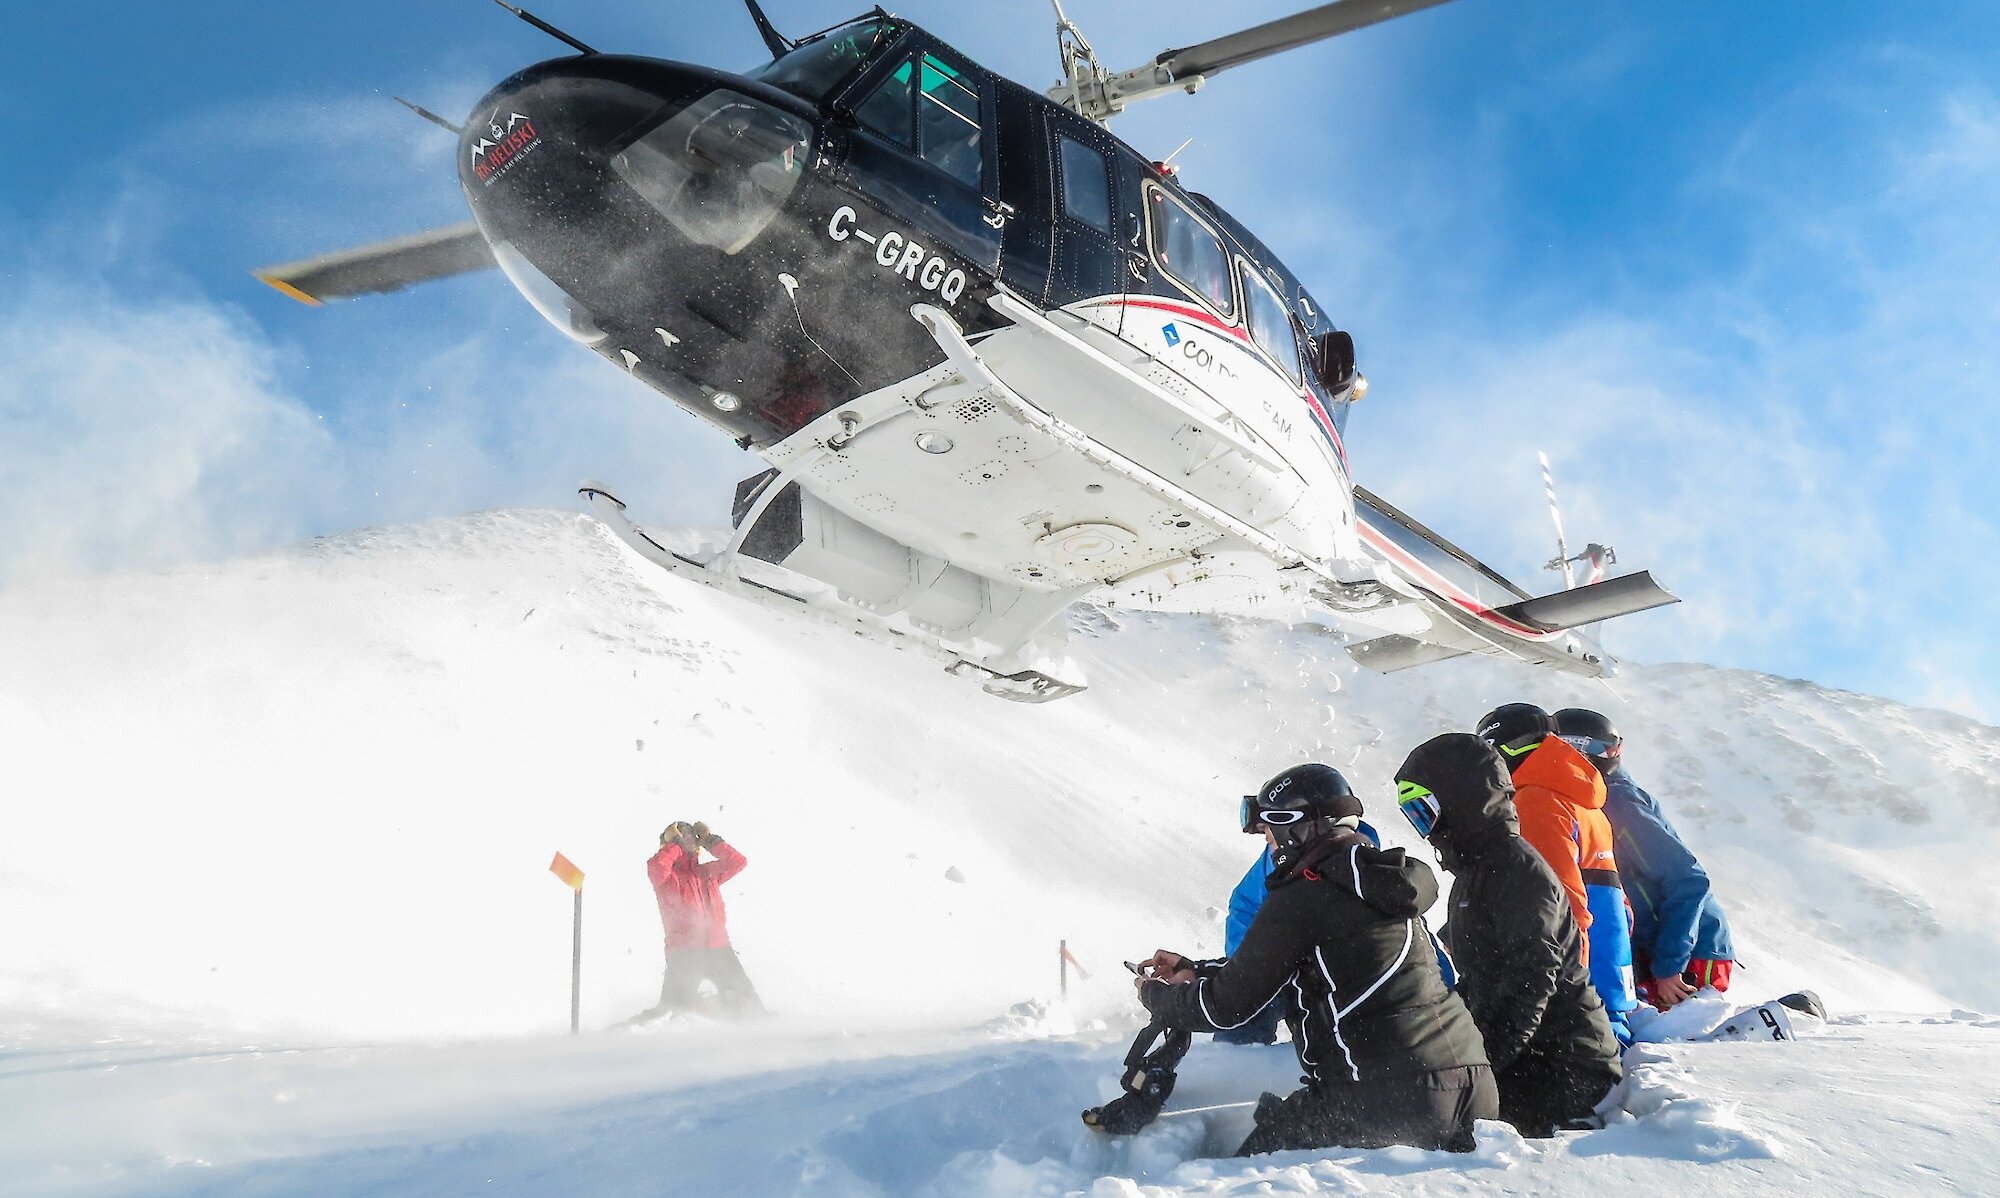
690	894
1560	797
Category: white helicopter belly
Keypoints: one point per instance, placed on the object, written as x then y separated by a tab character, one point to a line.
1044	494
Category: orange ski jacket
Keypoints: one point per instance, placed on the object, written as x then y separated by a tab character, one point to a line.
1560	797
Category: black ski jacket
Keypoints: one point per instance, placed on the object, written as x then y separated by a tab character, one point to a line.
1511	932
1341	939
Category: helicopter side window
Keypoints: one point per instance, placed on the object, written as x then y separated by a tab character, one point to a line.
1190	254
948	122
1270	322
1086	185
939	117
887	110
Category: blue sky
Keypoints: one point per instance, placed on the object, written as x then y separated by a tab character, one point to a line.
1735	267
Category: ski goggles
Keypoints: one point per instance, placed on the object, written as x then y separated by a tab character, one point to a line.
1254	818
1419	806
1590	746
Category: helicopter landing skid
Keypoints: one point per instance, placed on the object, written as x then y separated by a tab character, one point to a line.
1024	686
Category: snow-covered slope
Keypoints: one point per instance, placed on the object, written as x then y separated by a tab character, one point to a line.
310	798
318	791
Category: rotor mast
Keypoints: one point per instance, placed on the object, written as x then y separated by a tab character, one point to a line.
1099	94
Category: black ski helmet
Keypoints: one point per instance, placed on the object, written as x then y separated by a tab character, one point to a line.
1300	803
1592	734
1515	729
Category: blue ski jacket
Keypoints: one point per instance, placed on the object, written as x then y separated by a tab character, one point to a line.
1248	896
1675	915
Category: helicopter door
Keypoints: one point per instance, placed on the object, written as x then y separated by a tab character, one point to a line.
1087	261
923	150
1026	188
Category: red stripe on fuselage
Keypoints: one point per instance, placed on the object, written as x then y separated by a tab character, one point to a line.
1444	586
1204	316
1188	310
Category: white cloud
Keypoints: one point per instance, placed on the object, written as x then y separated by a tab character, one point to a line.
1797	441
139	434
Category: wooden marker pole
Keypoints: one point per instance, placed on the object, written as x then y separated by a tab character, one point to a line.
1063	961
573	877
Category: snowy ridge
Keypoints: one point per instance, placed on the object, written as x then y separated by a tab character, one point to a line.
308	799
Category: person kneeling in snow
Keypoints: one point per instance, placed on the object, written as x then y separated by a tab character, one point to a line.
1390	1055
1514	938
1680	937
691	914
1244	903
1559	797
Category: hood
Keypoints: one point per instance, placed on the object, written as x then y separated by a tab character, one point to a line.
1469	780
1386	879
1556	766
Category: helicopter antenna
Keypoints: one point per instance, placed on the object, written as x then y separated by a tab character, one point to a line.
430	116
545	27
1169	159
1562	542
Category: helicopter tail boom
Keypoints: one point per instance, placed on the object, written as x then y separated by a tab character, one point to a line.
1473	609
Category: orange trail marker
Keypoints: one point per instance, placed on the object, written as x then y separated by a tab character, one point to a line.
569	873
572	877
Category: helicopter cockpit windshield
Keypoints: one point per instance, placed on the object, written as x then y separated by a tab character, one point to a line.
821	64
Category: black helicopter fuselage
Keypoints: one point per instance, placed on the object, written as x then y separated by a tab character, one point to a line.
993	359
751	245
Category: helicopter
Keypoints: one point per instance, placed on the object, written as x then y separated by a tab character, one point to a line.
995	360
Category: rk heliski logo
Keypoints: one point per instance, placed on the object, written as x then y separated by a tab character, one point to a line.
502	145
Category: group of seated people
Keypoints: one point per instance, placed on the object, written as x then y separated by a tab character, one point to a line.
1518	1006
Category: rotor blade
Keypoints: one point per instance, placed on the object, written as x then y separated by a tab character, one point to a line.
384	266
778	44
1286	33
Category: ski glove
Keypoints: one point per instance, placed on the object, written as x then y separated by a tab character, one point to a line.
1147	1082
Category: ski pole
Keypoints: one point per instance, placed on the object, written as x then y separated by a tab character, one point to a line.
1203	1110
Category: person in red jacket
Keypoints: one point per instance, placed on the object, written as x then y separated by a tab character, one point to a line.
689	891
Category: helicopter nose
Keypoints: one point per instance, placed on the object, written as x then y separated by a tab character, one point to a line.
578	159
580	133
568	113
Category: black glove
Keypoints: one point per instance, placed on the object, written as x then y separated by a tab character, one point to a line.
1148	1082
1130	1112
